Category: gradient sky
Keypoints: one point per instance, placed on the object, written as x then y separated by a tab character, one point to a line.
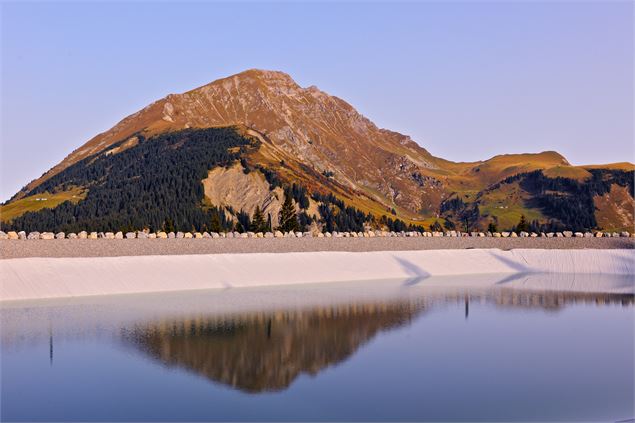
466	80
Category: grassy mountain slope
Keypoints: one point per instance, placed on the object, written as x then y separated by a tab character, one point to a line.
37	202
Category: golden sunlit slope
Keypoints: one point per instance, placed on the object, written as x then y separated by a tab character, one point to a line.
468	176
39	202
614	210
615	166
571	172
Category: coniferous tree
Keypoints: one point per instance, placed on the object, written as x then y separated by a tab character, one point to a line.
168	226
244	222
304	221
299	194
466	223
288	218
215	225
258	221
522	224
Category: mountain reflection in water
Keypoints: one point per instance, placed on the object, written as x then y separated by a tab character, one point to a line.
267	351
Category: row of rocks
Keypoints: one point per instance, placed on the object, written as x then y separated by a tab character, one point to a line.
278	234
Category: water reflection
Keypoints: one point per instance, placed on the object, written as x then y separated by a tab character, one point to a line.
262	339
267	351
538	347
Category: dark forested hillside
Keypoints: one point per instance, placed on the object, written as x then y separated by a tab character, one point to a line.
154	184
566	203
571	201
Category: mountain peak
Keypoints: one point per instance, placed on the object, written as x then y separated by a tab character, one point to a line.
268	77
264	73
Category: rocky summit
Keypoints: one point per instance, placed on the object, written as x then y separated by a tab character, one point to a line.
214	157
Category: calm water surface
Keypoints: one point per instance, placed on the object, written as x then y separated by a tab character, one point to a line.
533	348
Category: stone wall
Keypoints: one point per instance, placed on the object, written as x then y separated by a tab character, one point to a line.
12	235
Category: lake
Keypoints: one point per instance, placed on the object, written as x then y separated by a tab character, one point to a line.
528	347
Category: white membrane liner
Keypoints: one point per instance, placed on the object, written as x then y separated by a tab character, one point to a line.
37	278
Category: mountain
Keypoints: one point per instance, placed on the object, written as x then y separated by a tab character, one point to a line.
198	159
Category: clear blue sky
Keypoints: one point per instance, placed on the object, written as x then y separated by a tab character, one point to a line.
465	80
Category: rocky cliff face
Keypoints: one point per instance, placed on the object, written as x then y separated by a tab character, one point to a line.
321	141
